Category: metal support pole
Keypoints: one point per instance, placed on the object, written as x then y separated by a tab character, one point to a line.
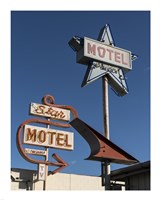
105	106
46	170
46	166
106	165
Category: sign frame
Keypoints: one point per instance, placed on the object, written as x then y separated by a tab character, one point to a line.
38	136
98	54
49	111
41	172
37	152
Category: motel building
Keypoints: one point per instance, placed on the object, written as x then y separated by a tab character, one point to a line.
134	177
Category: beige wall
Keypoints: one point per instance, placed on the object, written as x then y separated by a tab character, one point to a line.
59	181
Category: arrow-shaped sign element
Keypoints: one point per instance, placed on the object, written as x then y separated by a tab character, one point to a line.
61	163
102	149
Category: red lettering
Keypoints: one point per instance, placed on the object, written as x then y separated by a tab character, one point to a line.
101	51
91	49
117	57
110	54
123	61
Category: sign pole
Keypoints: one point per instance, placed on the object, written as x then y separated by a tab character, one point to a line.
46	166
106	128
105	106
102	57
46	170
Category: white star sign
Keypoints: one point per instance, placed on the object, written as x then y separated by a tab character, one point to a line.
103	59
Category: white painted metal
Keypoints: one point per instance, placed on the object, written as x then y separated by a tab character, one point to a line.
53	138
46	166
98	51
37	152
41	172
105	106
106	127
48	111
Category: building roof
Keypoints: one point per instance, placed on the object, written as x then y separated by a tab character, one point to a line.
122	173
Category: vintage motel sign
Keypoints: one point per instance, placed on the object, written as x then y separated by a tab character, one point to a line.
40	136
115	75
49	111
52	138
103	59
107	61
100	52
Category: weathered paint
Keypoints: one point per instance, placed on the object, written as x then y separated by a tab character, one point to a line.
41	172
50	111
102	149
98	51
37	152
45	137
61	139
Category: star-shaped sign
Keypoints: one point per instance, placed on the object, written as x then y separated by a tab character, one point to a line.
98	68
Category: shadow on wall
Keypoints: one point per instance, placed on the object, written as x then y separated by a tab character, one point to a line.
25	178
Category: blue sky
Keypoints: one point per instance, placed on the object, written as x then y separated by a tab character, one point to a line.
43	63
